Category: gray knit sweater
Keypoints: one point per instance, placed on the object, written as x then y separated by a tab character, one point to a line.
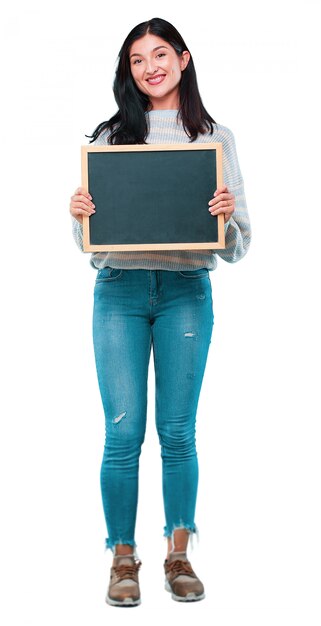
165	128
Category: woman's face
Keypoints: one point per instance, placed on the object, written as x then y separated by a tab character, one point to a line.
156	69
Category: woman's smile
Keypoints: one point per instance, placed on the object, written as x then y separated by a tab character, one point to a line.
156	80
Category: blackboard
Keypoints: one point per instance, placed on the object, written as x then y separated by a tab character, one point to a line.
152	197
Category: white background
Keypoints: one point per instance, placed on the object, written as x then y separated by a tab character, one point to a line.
258	508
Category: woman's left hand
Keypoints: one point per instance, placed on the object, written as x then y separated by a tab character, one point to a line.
224	202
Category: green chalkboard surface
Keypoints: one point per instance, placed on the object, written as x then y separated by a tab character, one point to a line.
152	196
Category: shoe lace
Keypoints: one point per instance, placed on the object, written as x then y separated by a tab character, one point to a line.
179	567
127	571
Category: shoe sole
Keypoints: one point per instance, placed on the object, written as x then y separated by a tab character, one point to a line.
190	597
127	602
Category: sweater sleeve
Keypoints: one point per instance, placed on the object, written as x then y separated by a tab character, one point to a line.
77	232
238	228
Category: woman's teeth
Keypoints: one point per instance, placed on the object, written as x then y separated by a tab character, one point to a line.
156	80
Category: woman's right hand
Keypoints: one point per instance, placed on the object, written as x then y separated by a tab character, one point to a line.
81	204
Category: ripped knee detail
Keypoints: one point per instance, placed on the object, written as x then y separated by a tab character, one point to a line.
119	417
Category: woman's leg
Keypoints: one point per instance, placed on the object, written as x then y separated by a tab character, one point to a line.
182	332
122	343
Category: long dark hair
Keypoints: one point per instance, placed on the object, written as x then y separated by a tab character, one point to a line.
130	125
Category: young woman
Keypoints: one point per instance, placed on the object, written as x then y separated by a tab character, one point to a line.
160	300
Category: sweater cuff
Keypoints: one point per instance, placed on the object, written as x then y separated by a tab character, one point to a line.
226	225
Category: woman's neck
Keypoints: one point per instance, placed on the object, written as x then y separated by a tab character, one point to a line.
167	103
162	111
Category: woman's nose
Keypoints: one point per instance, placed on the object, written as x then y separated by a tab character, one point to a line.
151	67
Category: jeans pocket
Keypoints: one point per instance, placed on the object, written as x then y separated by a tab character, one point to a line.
201	273
107	274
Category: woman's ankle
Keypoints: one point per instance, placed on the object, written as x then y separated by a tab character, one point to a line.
122	549
180	541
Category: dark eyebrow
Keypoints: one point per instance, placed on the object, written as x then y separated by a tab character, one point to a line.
139	55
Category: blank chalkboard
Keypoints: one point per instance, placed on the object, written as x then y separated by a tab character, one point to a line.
152	197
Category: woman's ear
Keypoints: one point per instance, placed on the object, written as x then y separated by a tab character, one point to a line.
185	57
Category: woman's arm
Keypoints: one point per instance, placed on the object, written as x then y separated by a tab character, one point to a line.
81	204
237	228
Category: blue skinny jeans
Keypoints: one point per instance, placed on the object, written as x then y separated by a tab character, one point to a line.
172	312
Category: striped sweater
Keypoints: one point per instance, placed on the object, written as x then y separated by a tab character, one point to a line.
165	128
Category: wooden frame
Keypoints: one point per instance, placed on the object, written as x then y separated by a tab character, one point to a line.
89	246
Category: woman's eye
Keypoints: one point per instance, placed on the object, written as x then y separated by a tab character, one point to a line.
161	54
137	61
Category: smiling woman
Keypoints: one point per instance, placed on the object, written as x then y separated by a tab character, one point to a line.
160	300
157	70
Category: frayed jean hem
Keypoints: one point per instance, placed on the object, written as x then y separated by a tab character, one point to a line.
110	545
192	530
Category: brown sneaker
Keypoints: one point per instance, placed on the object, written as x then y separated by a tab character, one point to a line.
123	587
181	580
